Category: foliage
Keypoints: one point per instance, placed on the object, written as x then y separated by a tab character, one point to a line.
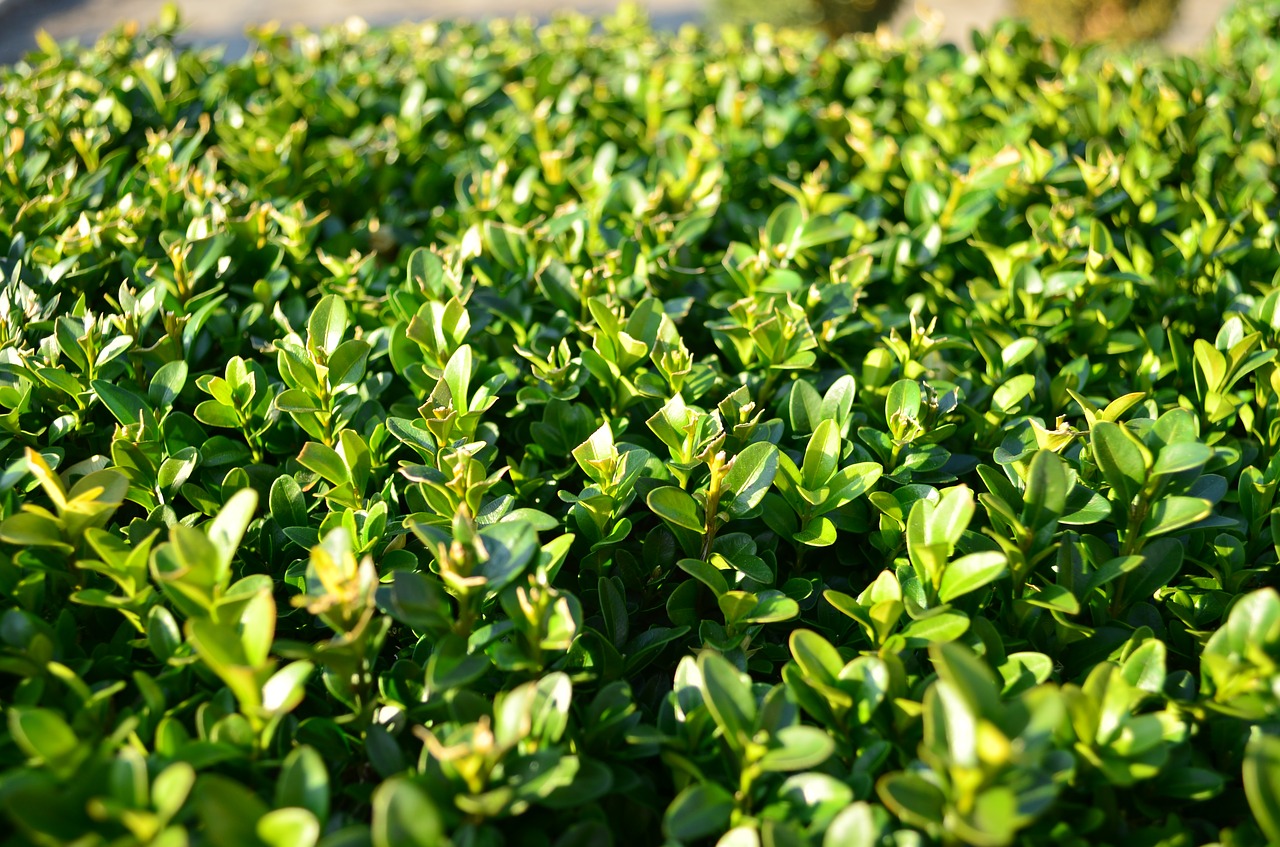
1114	20
489	435
836	17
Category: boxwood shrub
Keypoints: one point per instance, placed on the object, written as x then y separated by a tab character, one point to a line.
579	435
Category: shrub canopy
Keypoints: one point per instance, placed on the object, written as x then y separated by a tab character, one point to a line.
568	435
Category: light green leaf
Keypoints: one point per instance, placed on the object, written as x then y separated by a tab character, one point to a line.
1045	499
285	689
1262	782
167	384
327	324
1174	513
697	812
304	782
1120	458
728	698
1013	391
290	827
815	656
676	507
798	748
405	816
749	478
969	573
325	462
1182	456
822	456
942	627
912	798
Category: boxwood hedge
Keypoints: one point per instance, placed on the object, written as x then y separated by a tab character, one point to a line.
580	435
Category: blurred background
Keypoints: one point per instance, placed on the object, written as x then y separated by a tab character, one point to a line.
1180	24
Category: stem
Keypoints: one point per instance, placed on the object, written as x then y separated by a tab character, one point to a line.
711	521
749	774
466	616
708	537
767	390
1130	547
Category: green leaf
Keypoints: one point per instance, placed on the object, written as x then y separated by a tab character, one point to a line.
1112	570
903	400
1188	783
325	462
708	574
457	375
347	364
285	689
1182	456
1011	392
969	675
736	605
1025	670
289	828
227	529
820	532
728	698
837	403
804	407
798	748
327	324
507	244
749	478
405	816
1254	619
1054	597
949	519
296	401
1145	666
288	506
593	454
698	811
773	607
1262	781
213	413
127	408
676	507
856	824
969	573
1161	562
815	656
304	782
171	788
1212	364
32	530
1174	513
822	456
167	384
941	627
229	811
1045	499
511	547
1120	459
613	607
848	484
42	734
220	648
910	797
994	819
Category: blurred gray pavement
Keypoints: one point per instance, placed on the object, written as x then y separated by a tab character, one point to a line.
223	21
